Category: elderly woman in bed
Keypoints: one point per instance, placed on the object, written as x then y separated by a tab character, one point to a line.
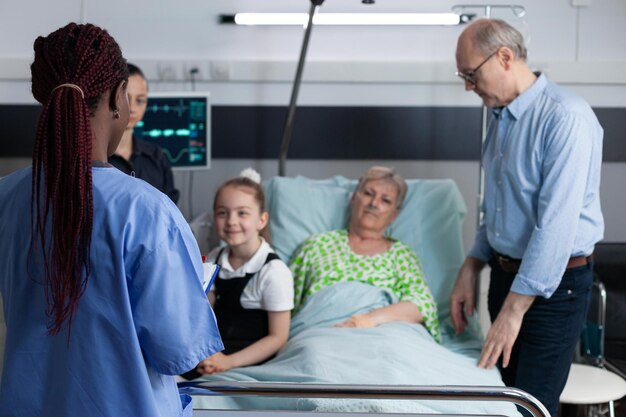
363	253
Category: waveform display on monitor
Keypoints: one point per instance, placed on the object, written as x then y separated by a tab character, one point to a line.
179	125
157	133
179	109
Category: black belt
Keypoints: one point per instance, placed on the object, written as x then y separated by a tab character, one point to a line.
511	265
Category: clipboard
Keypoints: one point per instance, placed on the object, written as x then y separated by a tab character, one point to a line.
210	272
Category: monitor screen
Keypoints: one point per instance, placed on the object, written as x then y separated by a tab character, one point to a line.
180	123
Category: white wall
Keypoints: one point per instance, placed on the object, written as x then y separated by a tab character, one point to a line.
580	47
188	29
187	32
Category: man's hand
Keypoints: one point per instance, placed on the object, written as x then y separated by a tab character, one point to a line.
504	330
462	297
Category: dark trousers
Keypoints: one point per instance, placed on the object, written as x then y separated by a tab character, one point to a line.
544	348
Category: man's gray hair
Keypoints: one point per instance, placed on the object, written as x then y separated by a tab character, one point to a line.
491	34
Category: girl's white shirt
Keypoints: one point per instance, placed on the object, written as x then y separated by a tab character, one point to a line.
271	289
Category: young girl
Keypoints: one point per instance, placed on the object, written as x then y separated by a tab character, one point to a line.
253	293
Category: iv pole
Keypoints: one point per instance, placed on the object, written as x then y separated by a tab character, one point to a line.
518	11
284	145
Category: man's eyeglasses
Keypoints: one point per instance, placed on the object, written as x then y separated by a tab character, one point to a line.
470	76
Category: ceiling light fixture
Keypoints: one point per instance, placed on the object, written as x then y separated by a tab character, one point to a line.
347	19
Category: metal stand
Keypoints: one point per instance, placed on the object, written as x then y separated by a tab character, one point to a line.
284	145
518	11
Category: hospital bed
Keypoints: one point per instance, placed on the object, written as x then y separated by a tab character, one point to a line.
360	372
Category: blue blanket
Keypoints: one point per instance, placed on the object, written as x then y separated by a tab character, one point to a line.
396	353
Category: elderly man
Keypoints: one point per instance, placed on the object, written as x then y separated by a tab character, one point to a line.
542	217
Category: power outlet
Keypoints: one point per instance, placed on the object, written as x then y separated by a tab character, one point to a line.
220	71
166	71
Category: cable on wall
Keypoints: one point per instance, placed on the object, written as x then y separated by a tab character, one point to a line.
83	14
192	78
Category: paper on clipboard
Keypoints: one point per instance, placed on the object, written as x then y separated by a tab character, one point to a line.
210	272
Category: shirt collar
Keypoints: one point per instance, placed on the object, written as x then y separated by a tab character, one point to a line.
253	265
522	102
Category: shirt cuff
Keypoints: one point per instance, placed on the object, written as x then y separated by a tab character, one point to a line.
521	286
481	253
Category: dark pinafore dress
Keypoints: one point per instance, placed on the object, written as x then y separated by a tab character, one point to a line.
239	327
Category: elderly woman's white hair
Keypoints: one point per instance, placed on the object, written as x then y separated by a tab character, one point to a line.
385	174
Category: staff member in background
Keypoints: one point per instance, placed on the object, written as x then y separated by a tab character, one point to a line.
145	159
542	217
100	275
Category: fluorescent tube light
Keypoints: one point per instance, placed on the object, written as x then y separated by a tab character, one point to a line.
369	19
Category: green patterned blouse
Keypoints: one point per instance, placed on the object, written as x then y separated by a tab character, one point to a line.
327	259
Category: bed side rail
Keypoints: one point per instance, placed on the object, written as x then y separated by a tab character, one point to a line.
401	392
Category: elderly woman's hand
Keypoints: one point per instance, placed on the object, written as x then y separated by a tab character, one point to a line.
358	320
401	311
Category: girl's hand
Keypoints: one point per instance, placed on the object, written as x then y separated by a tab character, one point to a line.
358	320
218	362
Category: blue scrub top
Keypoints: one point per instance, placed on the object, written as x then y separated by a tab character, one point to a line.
142	318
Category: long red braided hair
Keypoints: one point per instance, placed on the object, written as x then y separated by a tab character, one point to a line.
87	57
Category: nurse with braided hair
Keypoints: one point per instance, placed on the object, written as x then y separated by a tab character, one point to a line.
101	278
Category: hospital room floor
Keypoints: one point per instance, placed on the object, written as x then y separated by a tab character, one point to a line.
580	411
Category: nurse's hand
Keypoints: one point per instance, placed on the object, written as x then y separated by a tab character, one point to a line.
218	362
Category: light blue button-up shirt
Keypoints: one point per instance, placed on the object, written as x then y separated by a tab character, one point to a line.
542	160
